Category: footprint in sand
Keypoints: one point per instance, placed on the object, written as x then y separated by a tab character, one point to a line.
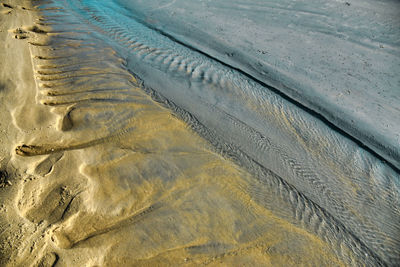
20	34
7	8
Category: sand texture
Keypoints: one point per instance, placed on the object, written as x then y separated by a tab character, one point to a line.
338	59
123	146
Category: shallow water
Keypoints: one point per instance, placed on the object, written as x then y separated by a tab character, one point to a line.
286	176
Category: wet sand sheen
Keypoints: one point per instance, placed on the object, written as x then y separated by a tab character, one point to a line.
266	132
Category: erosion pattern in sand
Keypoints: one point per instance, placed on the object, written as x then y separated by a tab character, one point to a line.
340	59
197	164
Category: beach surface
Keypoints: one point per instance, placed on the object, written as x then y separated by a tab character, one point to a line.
339	59
143	133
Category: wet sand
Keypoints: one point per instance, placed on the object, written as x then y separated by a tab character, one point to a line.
100	169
